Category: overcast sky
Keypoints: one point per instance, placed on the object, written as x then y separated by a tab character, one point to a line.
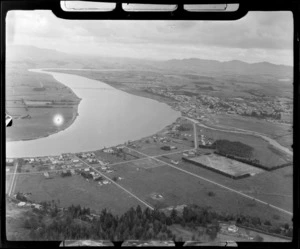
259	36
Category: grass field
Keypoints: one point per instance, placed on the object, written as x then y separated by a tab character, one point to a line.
178	188
34	122
267	157
282	133
76	190
226	165
275	187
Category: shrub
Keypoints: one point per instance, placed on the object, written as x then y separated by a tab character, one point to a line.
258	238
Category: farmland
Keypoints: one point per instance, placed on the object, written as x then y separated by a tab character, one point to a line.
162	179
151	171
262	152
178	188
225	165
24	91
77	190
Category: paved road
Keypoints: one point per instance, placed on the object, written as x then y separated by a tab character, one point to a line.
222	186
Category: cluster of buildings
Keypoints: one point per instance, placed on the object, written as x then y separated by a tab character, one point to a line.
205	140
195	106
89	173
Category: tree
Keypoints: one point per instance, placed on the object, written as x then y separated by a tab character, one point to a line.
258	238
173	215
139	211
21	197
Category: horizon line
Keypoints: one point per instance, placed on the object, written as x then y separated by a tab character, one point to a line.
148	59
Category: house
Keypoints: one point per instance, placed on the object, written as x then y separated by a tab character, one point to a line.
233	228
21	204
9	160
37	206
109	150
102	163
46	174
87	169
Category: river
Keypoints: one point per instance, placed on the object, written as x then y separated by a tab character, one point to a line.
107	117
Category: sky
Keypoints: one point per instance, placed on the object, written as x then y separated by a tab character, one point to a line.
258	36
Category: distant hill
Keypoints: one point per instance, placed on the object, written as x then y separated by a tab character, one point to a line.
230	67
38	57
20	52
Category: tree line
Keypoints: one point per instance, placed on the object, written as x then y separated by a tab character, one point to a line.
76	222
233	148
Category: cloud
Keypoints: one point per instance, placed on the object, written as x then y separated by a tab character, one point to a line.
260	35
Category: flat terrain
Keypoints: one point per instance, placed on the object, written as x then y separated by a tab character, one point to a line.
157	176
267	155
76	190
275	187
178	188
282	133
226	165
31	121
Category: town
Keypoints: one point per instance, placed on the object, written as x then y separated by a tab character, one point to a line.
266	108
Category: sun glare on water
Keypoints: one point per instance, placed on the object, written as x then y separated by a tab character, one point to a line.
58	120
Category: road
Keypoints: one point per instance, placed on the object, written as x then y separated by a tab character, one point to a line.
118	185
145	156
220	185
195	136
247	132
12	185
111	164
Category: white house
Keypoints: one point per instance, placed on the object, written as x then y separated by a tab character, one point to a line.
109	150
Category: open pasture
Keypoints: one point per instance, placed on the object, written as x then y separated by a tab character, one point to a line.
178	188
275	187
267	157
77	191
225	165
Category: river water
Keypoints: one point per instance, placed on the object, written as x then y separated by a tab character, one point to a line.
107	117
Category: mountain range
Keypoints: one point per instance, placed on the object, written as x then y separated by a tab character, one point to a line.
40	57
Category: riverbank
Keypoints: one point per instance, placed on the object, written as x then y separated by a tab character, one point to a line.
274	133
271	141
107	117
36	135
33	110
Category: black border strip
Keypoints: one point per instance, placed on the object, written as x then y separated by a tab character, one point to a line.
178	14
